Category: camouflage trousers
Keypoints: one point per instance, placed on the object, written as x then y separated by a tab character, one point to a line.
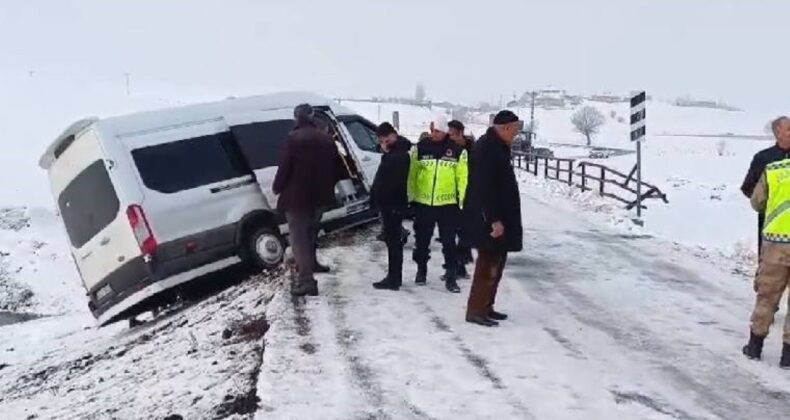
770	284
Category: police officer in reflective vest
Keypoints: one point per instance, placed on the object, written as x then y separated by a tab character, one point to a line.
437	185
772	196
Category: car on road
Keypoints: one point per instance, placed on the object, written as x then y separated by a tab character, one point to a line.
153	200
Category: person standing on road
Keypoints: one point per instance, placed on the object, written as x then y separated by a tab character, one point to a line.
772	198
464	250
779	151
437	185
303	195
389	196
493	216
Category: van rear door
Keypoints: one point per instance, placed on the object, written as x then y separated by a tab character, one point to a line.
260	136
83	183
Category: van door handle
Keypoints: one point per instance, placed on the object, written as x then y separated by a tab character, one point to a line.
104	241
366	159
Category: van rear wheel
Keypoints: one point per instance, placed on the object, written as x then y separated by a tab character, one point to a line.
264	248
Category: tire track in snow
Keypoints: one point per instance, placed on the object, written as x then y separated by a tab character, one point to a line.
476	361
723	389
363	375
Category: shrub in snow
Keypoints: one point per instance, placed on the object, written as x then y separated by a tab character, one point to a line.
721	147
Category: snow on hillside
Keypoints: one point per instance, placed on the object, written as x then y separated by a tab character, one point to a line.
554	125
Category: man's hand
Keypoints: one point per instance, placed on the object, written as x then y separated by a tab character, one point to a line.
497	230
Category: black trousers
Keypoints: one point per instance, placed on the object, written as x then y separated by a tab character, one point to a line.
464	248
425	220
393	225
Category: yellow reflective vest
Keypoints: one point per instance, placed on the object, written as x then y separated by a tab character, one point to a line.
438	173
777	210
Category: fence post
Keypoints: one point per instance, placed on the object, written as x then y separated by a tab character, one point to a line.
584	177
536	165
396	119
603	179
570	172
546	167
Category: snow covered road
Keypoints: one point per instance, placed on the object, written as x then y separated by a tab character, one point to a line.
603	325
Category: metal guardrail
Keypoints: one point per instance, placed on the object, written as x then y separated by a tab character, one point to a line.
585	175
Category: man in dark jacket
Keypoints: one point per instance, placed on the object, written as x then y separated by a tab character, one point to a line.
493	214
464	251
303	195
777	152
389	196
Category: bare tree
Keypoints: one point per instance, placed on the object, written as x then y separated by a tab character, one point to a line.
419	95
588	121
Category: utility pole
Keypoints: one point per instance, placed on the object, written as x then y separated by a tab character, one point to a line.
532	118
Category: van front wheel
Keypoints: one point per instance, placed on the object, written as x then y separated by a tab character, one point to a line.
265	248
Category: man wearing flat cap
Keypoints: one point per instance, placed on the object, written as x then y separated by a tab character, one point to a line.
493	213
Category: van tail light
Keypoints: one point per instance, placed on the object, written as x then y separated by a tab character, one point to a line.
142	230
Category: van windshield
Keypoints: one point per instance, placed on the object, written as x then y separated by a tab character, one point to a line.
88	204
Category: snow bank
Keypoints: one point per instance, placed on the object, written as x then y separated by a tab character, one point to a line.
200	360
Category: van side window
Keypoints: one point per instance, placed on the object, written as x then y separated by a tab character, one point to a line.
88	204
260	142
183	165
364	136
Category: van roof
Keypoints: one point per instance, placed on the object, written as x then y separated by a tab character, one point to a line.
150	120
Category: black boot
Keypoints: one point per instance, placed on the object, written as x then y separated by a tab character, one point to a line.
462	273
450	283
320	268
422	275
481	320
308	288
784	363
497	316
387	284
754	350
404	236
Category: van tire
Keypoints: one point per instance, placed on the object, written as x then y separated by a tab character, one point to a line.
264	248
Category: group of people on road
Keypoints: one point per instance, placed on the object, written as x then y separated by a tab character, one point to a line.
767	184
466	188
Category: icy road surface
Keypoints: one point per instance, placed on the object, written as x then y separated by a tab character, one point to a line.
603	325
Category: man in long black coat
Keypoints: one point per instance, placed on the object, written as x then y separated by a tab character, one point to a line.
493	212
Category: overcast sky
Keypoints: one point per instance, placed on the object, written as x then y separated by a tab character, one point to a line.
734	50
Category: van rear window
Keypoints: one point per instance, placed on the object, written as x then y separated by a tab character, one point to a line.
88	204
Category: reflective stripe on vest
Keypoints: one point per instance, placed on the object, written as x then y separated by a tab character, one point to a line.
777	211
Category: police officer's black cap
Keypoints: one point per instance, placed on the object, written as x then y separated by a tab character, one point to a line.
505	117
457	125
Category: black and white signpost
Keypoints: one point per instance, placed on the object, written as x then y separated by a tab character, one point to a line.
638	114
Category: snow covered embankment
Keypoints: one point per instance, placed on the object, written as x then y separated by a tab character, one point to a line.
200	360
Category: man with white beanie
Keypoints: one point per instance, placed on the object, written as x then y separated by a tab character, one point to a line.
436	188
